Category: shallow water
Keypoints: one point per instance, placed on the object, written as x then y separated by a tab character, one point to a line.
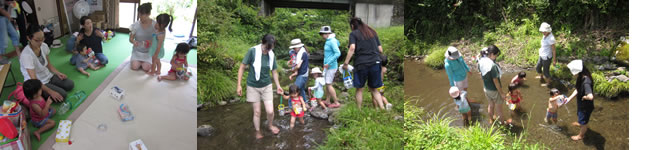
608	127
235	129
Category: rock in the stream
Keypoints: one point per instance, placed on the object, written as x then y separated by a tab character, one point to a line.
622	78
205	130
399	118
621	69
222	103
332	118
319	113
235	100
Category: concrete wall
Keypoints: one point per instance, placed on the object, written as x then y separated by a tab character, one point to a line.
375	15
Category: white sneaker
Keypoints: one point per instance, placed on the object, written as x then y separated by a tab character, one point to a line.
389	106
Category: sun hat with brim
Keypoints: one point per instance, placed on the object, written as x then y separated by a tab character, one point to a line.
545	27
454	92
325	29
295	43
575	66
452	53
316	70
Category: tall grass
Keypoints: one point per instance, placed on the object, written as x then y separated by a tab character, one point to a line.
436	57
368	128
434	132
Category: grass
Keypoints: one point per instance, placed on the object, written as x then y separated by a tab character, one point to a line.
432	131
436	57
368	128
608	89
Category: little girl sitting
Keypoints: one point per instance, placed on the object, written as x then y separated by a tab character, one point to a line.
178	64
40	110
319	82
298	106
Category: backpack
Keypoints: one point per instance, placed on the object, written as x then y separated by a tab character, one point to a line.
19	95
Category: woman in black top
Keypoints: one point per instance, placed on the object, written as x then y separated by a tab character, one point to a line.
92	38
584	95
365	45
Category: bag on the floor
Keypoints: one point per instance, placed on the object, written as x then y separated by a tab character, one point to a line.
19	95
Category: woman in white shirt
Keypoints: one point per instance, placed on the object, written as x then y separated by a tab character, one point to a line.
35	64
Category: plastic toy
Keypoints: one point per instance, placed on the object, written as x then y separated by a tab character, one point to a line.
117	92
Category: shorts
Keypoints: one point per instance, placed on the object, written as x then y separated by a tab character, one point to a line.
38	124
493	96
583	116
254	94
329	75
371	73
551	115
462	84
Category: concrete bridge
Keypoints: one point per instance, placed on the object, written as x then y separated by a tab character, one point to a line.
377	13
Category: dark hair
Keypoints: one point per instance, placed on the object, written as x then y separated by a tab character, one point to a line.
512	87
522	74
580	80
553	91
32	30
182	48
83	19
268	40
293	89
80	46
166	20
144	8
357	24
491	49
31	87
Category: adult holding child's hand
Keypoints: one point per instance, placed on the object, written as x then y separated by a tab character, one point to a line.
260	62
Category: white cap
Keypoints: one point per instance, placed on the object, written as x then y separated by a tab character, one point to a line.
545	27
452	53
454	92
575	66
295	43
316	70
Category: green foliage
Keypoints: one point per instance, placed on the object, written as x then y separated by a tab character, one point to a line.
622	52
436	57
608	89
368	128
561	72
435	133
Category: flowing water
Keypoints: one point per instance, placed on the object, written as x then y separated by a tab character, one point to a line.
235	129
608	127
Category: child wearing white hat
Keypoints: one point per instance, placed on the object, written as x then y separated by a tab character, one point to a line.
461	103
319	82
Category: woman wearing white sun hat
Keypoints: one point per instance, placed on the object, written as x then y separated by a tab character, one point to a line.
584	94
546	53
456	69
302	67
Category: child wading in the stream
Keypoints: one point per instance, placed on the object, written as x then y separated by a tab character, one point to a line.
519	78
319	82
298	106
513	99
461	103
551	111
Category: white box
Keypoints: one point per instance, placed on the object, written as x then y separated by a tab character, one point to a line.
117	92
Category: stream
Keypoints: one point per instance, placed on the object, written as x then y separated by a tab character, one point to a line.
608	127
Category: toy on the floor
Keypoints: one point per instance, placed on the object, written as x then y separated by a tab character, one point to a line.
108	35
63	131
76	99
63	108
182	72
117	92
124	113
138	145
